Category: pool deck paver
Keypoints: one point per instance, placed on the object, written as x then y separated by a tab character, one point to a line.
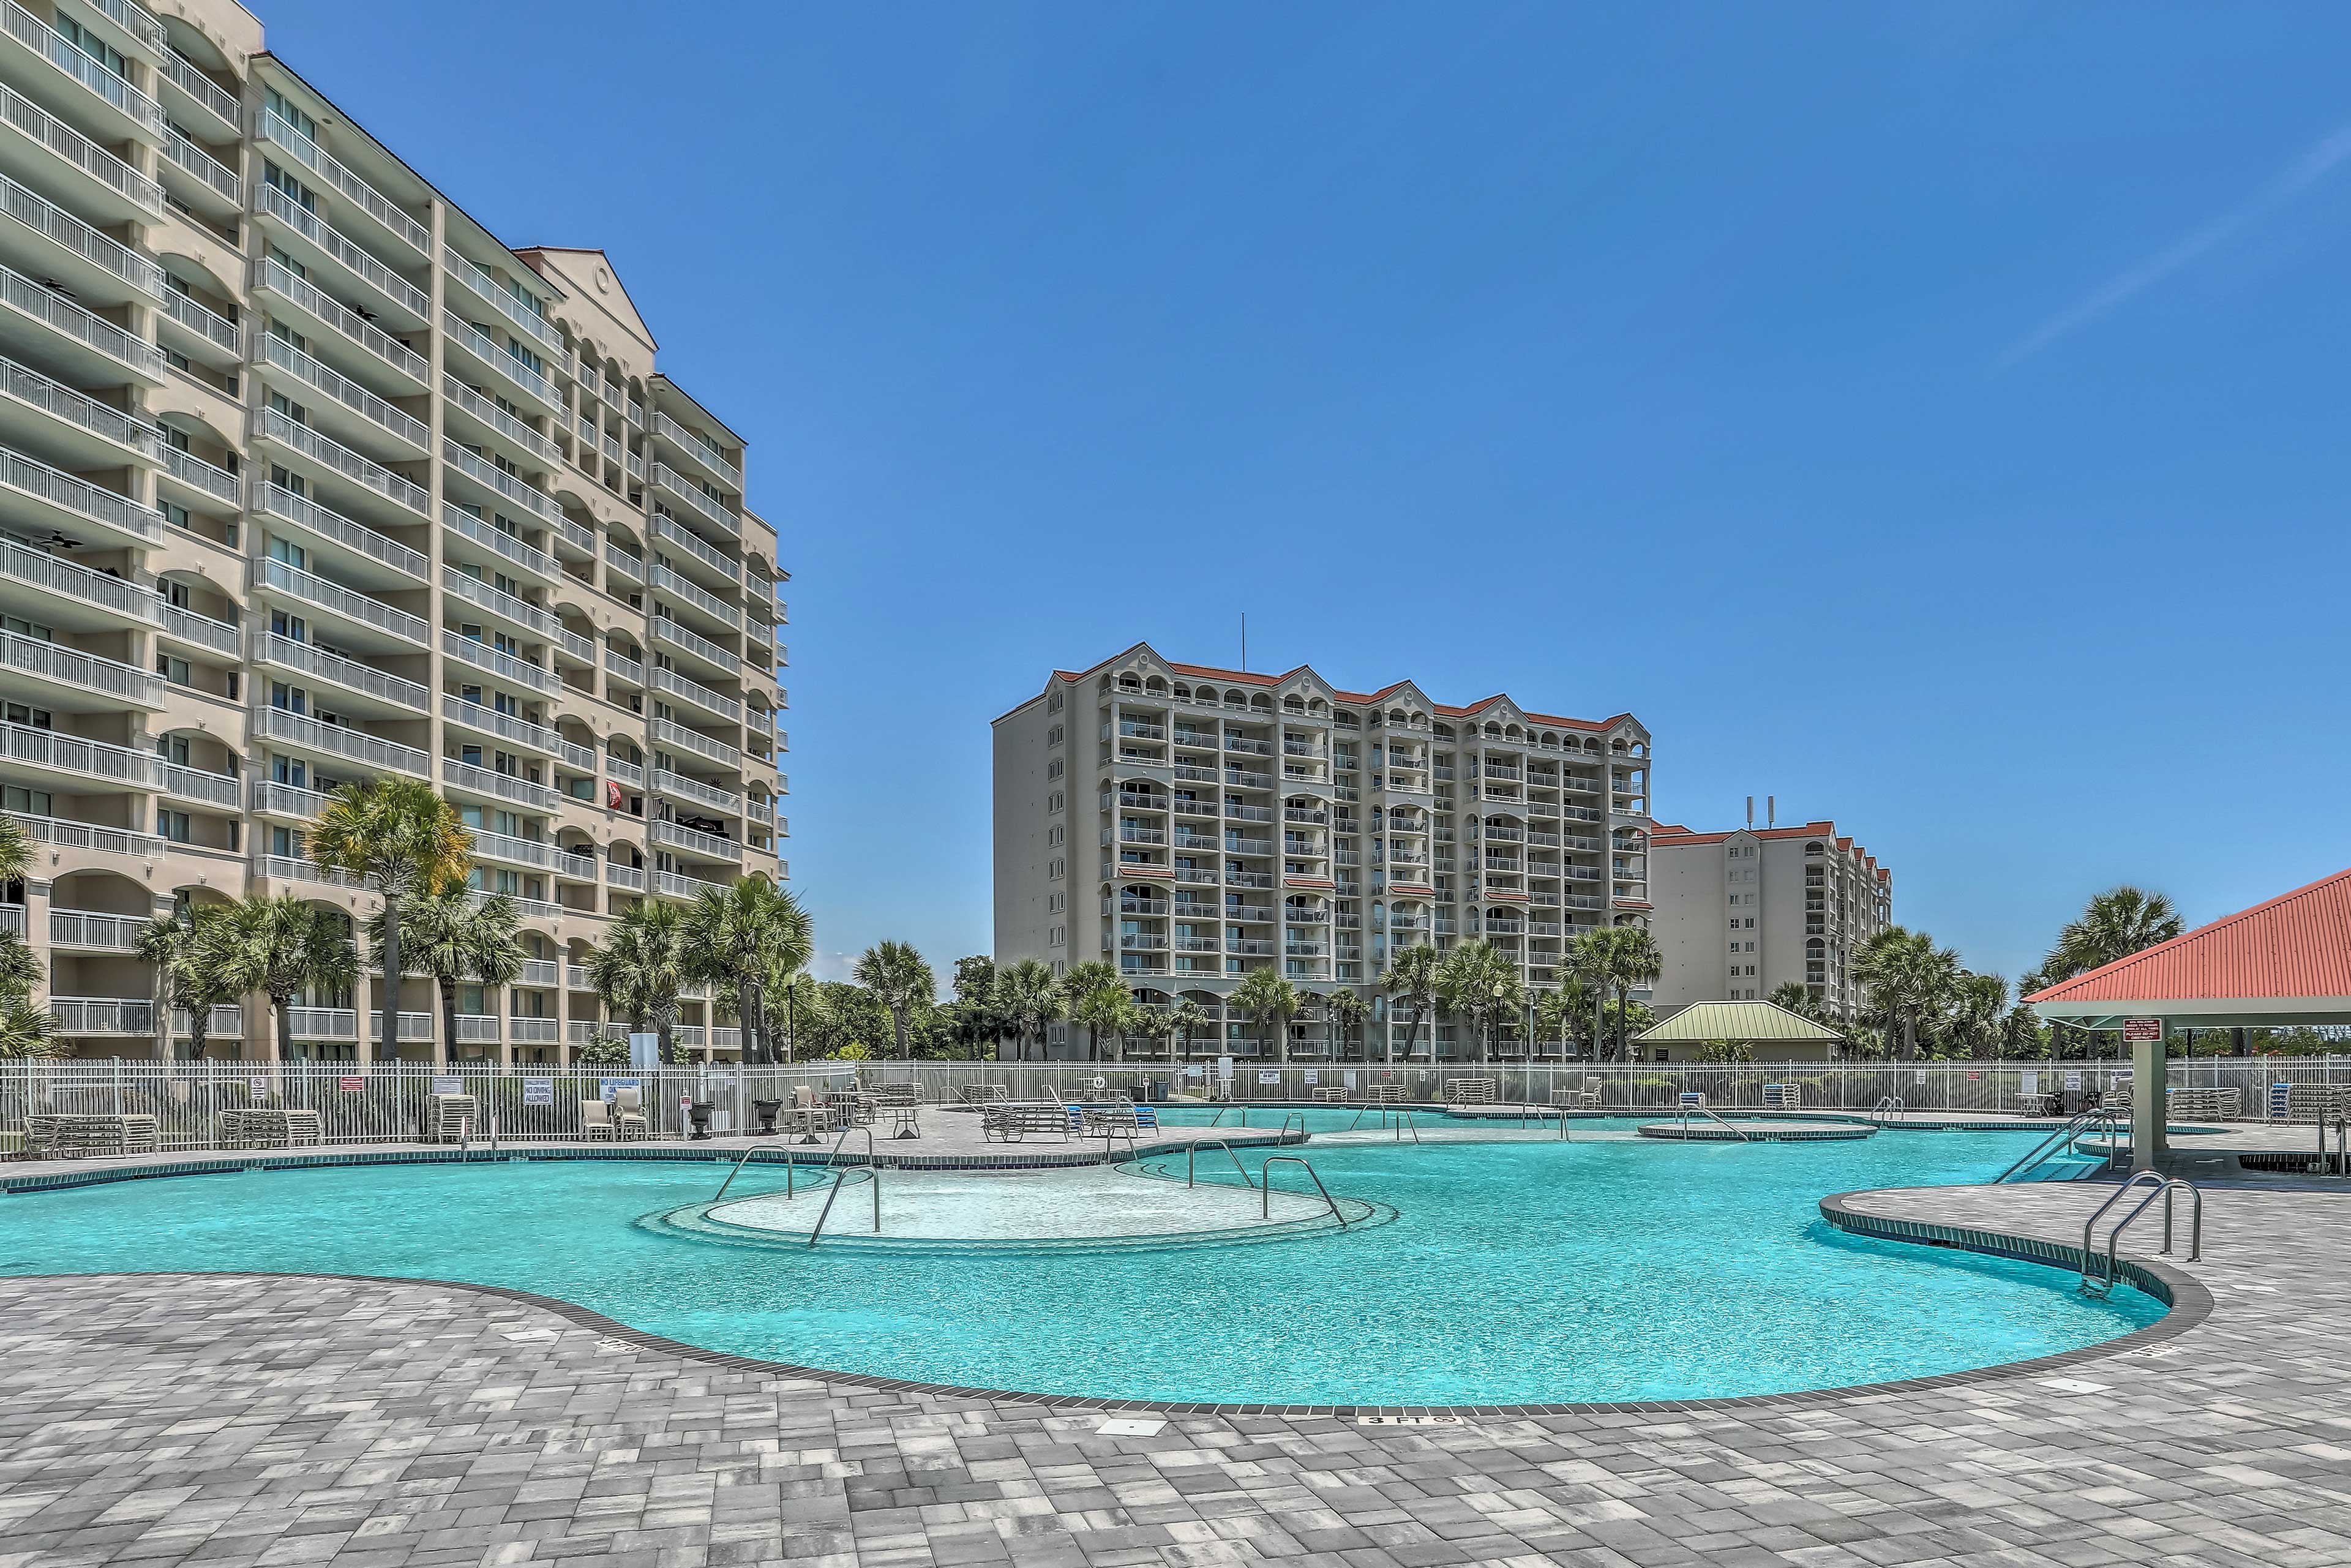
238	1422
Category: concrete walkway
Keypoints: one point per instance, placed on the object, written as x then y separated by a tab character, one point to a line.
234	1421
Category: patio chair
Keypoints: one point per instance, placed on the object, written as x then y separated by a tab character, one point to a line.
454	1115
596	1121
629	1110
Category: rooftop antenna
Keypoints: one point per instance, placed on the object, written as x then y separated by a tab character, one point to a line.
1771	810
1244	642
1751	813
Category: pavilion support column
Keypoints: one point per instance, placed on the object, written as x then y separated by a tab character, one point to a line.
2147	1110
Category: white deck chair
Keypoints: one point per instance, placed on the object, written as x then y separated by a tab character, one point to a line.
596	1120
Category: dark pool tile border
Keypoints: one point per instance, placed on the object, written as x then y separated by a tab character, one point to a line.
2189	1303
230	1163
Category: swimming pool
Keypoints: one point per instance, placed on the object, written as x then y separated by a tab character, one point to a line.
1513	1272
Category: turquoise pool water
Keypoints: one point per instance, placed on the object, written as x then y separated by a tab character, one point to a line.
1513	1272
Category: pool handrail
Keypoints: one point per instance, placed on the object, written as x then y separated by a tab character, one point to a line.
2162	1187
1297	1116
841	1179
1685	1109
1191	1153
1265	1187
755	1148
2065	1134
1404	1119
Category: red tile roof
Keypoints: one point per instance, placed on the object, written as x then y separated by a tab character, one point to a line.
2297	944
1668	835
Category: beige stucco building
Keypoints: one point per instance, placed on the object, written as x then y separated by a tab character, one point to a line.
309	478
1191	825
1740	913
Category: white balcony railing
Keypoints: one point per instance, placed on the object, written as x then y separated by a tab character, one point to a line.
29	31
504	786
100	1015
286	800
665	580
71	754
215	99
24	565
315	590
484	472
65	142
61	315
396	422
202	320
196	784
339	740
71	835
627	563
283	504
678	786
507	726
293	868
193	471
217	176
490	351
488	411
317	662
190	627
522	613
709	846
80	496
630	877
665	629
497	661
672	884
696	546
694	496
334	454
345	183
625	771
696	693
63	229
667	732
698	449
403	294
61	402
495	295
95	929
499	542
274	277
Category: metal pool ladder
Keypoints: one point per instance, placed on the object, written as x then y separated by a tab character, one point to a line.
747	1160
872	1175
1191	1161
2096	1116
2159	1186
1889	1106
1712	1117
1265	1187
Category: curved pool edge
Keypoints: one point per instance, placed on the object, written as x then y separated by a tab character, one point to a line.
2188	1302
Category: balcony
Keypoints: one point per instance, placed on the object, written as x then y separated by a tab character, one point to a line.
505	726
355	609
408	307
486	413
89	433
127	112
226	1022
629	877
95	930
217	190
499	483
621	667
200	332
669	732
504	545
625	563
201	92
497	661
697	694
698	450
100	1015
622	770
74	504
216	489
698	550
670	884
199	632
373	477
296	729
273	800
694	843
501	786
349	408
365	198
92	759
665	580
69	835
678	786
712	512
61	246
520	612
293	868
491	292
385	354
494	357
696	646
196	784
346	538
111	187
535	852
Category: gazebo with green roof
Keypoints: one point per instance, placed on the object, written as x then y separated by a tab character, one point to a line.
1772	1033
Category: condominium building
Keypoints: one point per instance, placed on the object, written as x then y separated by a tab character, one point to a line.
1741	914
311	478
1191	825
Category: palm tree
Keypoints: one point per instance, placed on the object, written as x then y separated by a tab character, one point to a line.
640	967
1589	957
1977	1003
1269	1001
1097	1009
1554	1010
1412	978
26	1032
16	851
163	944
898	979
1633	960
1344	1011
2114	925
404	836
1796	996
1907	979
1182	1021
791	1002
1031	999
198	985
1477	983
277	947
455	938
1083	981
743	938
20	967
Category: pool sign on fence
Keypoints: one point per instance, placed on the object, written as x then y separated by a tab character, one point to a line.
350	1083
538	1091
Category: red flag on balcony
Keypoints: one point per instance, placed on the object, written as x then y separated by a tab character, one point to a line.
611	794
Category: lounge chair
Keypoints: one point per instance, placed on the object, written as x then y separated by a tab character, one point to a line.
455	1116
1784	1096
1692	1100
629	1110
596	1121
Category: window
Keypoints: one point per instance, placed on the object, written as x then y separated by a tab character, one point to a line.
174	670
1056	902
89	44
1053	736
173	825
1056	868
1060	937
1057	800
276	104
1053	703
1055	836
1054	769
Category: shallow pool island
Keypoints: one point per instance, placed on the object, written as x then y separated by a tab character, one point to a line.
1468	1264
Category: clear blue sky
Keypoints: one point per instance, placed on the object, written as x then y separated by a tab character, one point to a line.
1932	416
